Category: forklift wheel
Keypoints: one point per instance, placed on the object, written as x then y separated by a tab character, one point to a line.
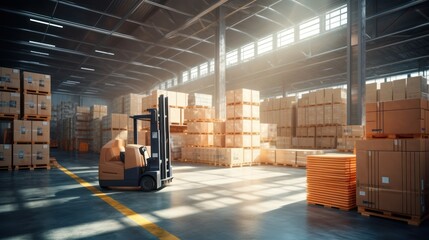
147	183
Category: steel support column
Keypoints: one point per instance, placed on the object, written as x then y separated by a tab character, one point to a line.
220	66
356	62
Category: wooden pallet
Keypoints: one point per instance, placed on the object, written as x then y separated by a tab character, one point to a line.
9	89
331	206
36	92
42	166
37	117
243	103
396	136
199	106
409	219
9	116
9	168
53	162
23	167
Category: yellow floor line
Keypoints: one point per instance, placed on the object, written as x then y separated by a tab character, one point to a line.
143	222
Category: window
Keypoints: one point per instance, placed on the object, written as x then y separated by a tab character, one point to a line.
232	57
174	81
185	76
336	18
204	69
309	28
247	51
194	73
212	66
265	44
285	37
169	84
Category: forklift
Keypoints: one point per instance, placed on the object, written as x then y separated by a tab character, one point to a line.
131	165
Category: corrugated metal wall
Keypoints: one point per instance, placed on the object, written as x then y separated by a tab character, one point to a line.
80	100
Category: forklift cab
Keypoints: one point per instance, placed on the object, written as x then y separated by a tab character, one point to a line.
136	165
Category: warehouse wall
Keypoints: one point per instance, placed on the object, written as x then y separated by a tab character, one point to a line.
80	100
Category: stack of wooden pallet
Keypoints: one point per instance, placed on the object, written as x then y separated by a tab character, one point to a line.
331	180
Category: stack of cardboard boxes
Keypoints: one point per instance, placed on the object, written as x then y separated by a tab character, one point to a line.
350	134
114	126
81	129
32	105
97	112
319	114
9	110
392	164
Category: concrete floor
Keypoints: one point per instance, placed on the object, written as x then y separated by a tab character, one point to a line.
203	202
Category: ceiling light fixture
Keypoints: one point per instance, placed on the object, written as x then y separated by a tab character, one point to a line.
41	53
103	52
78	77
43	44
46	23
87	69
110	84
70	82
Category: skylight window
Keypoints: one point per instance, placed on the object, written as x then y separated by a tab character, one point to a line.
185	76
204	69
248	51
285	37
232	57
309	28
336	18
194	72
265	44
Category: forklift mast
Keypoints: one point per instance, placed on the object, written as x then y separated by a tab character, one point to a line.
159	161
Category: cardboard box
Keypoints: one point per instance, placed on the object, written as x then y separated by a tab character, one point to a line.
256	112
276	103
44	105
182	100
243	126
320	96
242	111
22	131
40	154
21	154
256	99
219	140
416	86
371	93
312	98
200	127
9	78
286	156
175	116
6	155
339	95
399	89
230	97
229	156
328	95
244	96
256	141
268	155
30	104
40	131
219	127
386	91
243	140
37	82
399	202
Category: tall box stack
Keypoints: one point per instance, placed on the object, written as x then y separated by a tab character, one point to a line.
10	97
199	117
282	112
269	137
36	109
97	112
392	167
114	126
81	131
242	126
331	180
319	114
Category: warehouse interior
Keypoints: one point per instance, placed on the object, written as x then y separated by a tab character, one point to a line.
289	119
